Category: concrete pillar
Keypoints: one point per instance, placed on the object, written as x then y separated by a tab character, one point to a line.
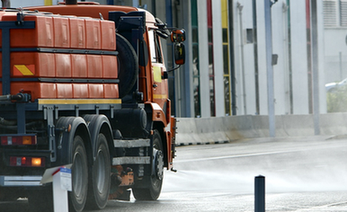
184	76
217	57
299	55
279	69
321	68
238	58
203	60
263	106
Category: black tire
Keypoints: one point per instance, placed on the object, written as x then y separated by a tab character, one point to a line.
79	171
153	185
127	65
99	186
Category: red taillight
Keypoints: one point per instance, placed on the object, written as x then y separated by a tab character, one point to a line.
27	161
18	140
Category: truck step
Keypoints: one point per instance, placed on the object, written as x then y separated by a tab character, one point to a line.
132	143
20	180
131	160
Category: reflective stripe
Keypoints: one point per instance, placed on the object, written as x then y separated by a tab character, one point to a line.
20	180
78	101
160	96
48	2
26	70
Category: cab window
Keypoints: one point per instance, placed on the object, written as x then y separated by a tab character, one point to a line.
154	47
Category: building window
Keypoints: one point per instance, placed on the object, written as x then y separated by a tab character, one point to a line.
335	13
343	13
330	13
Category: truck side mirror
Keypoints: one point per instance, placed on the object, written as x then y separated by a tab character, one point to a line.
180	53
178	35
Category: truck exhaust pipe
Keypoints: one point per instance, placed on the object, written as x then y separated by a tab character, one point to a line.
70	2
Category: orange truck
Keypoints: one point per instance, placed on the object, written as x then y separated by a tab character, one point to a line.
85	84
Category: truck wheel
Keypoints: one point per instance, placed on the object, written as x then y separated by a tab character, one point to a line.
127	65
100	178
79	174
153	186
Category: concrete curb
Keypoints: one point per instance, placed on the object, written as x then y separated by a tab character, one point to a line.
195	131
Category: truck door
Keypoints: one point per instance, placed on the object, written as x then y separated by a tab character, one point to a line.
159	87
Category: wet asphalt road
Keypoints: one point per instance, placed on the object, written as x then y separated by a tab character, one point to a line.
302	174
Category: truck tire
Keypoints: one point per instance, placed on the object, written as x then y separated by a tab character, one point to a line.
100	180
79	174
153	185
127	65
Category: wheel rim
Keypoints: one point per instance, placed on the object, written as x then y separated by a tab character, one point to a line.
77	175
100	177
158	164
151	187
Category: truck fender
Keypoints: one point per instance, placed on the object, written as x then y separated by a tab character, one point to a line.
99	124
160	123
68	127
158	114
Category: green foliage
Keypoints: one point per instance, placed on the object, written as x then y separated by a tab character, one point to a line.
337	100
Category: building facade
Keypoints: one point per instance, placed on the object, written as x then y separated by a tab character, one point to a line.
225	72
227	58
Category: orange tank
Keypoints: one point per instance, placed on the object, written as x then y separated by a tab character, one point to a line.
77	33
72	55
41	36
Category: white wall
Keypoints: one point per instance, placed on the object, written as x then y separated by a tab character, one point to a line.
249	60
280	71
299	55
280	47
244	59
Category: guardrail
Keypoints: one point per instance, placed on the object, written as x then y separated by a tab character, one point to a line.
193	131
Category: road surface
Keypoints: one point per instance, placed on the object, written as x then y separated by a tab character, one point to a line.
302	174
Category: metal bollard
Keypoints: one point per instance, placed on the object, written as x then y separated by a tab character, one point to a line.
259	194
61	178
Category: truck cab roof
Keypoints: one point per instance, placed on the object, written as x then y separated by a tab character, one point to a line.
93	11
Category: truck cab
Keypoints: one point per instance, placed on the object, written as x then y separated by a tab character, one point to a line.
85	84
